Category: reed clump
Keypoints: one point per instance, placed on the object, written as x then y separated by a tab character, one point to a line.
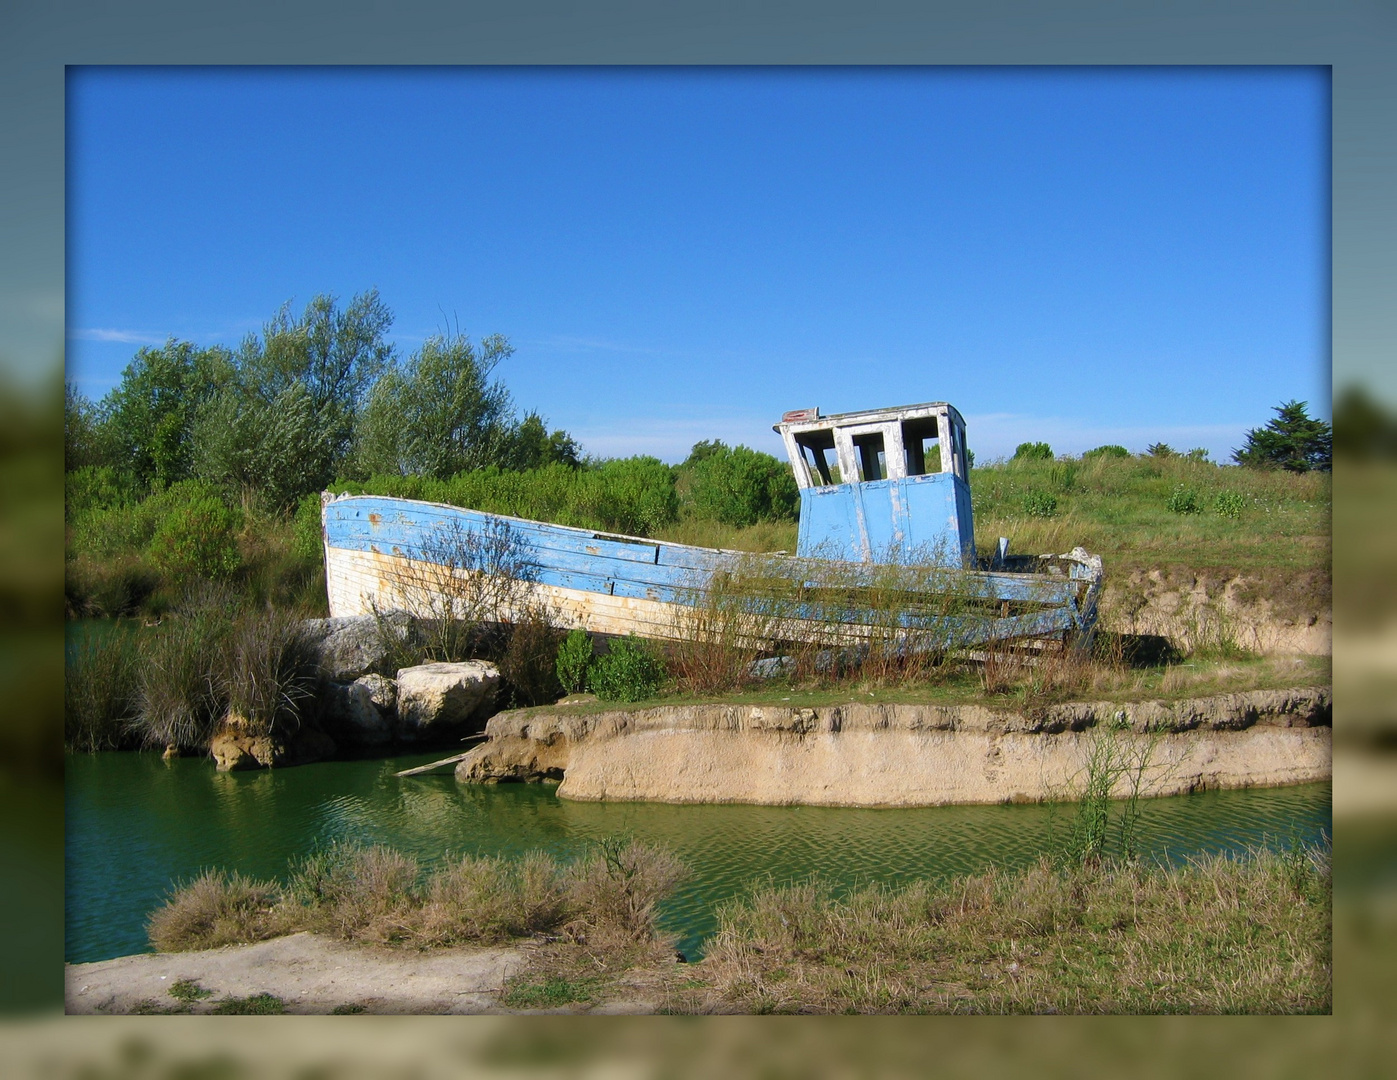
99	691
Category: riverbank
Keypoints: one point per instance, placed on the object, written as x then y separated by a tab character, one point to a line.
906	755
1215	935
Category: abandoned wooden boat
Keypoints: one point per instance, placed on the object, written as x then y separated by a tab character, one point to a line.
886	546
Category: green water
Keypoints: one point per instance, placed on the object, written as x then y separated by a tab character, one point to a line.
135	824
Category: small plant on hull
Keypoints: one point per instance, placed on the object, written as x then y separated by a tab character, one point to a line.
460	583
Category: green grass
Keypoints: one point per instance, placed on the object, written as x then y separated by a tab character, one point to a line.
188	991
256	1005
1242	520
549	992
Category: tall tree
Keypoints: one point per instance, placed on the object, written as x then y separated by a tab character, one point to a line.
441	413
283	424
148	419
1292	441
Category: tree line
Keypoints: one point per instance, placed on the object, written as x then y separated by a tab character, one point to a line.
314	397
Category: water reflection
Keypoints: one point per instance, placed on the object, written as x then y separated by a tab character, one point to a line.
135	824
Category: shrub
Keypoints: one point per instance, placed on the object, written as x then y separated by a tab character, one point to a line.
216	908
1033	451
1110	450
574	658
308	542
352	891
1229	504
616	889
1040	504
530	660
1160	450
630	671
1184	500
491	899
737	485
181	683
636	495
197	539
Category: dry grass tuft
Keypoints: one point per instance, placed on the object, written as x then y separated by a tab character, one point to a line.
214	909
1217	935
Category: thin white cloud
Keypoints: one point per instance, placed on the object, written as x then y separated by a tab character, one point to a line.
125	337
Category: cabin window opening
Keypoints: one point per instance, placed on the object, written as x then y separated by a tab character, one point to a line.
921	447
815	447
870	456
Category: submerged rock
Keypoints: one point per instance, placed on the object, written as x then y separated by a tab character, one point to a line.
432	697
236	747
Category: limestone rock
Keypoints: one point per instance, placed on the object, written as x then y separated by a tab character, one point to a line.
354	645
436	696
234	747
361	711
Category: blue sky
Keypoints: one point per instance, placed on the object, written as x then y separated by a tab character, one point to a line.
1074	255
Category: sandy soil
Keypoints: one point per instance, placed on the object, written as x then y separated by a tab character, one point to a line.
311	974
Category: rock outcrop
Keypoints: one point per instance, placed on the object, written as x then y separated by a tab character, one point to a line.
433	697
237	747
362	712
906	755
356	645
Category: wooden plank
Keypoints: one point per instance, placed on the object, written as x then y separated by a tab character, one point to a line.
452	760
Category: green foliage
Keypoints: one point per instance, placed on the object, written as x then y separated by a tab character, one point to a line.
256	1005
1161	450
1184	500
1040	504
1292	441
1198	453
634	495
188	991
278	447
629	671
99	689
197	539
270	676
182	674
1110	450
1229	504
96	487
530	660
574	658
1033	451
145	425
737	485
441	413
531	446
308	541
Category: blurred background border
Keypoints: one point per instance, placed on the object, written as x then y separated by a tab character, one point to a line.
1356	37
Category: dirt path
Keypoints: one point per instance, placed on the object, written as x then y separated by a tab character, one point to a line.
310	974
